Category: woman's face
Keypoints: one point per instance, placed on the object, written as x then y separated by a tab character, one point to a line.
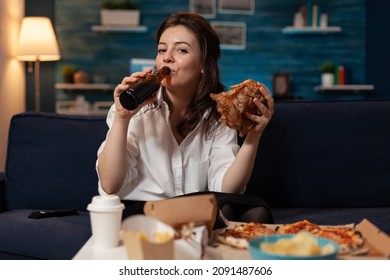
179	49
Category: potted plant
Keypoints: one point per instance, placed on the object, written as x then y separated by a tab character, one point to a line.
119	13
68	72
327	74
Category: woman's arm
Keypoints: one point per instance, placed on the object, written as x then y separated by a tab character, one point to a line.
113	165
239	173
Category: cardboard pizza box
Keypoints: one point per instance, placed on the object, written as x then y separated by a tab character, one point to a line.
198	209
197	212
377	242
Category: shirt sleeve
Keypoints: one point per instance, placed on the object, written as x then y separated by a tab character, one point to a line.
223	153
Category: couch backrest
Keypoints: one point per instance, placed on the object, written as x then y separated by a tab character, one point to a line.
325	154
312	154
51	160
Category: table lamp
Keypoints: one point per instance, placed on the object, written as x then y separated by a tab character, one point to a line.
37	42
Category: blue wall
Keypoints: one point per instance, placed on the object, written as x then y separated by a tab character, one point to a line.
267	52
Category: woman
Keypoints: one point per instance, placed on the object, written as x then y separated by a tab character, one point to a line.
173	144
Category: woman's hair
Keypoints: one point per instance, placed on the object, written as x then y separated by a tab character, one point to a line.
210	79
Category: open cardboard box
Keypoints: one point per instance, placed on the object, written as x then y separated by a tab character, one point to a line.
377	243
179	212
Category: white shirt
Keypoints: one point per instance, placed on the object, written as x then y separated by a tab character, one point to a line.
161	168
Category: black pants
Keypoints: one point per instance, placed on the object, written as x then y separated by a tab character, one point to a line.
235	207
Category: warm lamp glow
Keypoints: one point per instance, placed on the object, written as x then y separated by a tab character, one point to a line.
37	40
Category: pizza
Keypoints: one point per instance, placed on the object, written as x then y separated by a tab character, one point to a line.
348	238
293	228
238	235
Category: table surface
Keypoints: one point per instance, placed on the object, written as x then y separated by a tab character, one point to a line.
89	252
222	252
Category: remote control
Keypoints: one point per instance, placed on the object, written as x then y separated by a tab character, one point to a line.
52	213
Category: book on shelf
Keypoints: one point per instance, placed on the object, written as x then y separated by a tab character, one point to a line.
341	75
313	15
309	14
319	12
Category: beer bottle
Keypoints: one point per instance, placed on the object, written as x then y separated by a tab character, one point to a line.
143	89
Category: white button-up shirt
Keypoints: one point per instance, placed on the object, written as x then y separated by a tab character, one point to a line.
161	168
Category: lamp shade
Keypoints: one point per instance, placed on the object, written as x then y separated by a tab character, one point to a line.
37	40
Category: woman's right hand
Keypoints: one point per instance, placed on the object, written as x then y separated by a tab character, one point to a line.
121	112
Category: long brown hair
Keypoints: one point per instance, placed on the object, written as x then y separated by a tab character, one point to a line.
210	81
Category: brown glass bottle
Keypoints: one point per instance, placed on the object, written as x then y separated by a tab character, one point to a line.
145	88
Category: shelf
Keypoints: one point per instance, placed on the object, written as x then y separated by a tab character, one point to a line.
69	107
311	30
84	86
119	28
345	88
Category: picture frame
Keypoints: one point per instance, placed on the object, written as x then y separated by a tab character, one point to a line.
205	8
231	34
281	85
141	64
236	7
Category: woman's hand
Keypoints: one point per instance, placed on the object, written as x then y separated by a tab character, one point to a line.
266	113
123	86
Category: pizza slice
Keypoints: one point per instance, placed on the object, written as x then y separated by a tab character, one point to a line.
348	238
233	104
298	226
238	236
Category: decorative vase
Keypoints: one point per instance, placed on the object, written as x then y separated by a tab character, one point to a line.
120	17
81	77
327	79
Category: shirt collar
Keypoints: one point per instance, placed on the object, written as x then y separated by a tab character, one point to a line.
162	103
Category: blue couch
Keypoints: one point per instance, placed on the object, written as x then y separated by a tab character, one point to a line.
50	165
328	162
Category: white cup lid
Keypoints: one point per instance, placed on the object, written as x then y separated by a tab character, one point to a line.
105	203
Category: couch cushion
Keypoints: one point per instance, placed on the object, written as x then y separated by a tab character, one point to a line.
57	238
51	160
325	154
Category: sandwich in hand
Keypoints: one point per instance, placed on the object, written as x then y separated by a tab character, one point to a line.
233	104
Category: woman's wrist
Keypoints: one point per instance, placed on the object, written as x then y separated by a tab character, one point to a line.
253	137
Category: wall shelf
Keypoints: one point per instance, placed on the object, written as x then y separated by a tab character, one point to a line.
119	28
97	87
310	30
69	107
345	88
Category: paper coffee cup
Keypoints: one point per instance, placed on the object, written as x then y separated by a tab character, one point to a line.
106	219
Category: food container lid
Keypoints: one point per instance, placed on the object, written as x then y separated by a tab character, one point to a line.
104	203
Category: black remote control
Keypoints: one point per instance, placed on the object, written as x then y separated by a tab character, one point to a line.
52	213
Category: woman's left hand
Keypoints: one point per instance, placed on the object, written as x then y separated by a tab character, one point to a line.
266	112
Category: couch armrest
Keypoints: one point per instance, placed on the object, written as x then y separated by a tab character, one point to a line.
2	192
